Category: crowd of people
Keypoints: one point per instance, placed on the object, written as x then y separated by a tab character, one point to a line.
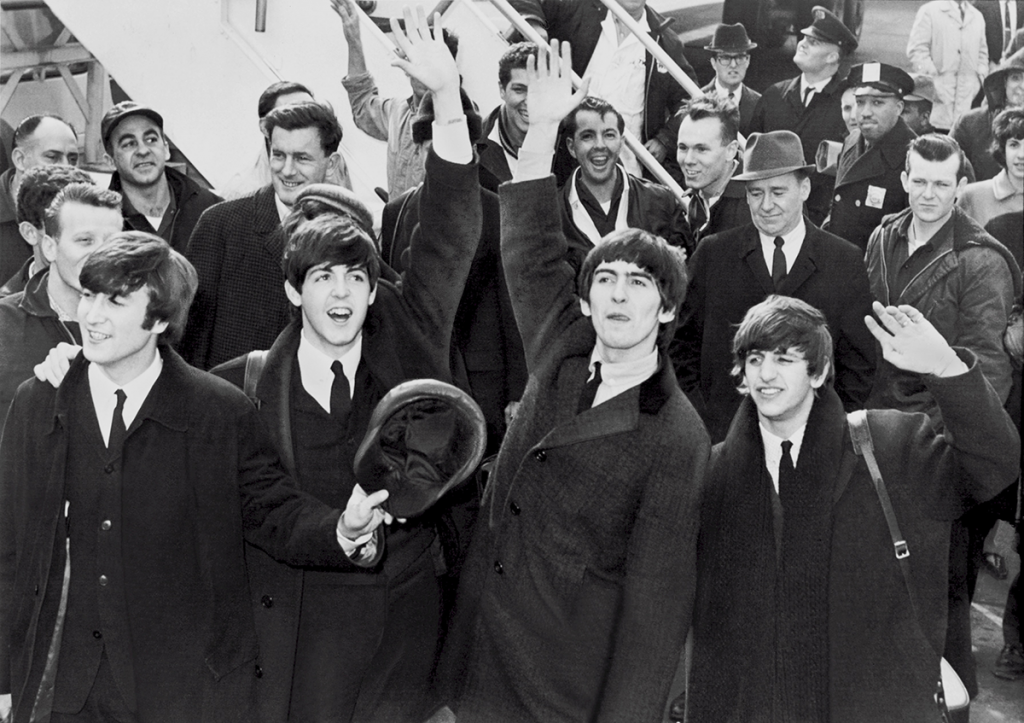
671	390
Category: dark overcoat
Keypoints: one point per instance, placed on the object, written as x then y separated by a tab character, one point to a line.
240	305
748	101
728	275
882	663
868	185
576	597
199	472
782	109
405	336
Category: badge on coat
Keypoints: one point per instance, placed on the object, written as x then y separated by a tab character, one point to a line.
876	197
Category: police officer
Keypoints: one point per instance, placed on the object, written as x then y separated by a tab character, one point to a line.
809	104
868	184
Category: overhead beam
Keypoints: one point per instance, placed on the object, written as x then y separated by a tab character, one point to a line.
64	54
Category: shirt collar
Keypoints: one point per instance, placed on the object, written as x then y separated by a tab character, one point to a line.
1002	188
818	87
608	26
725	92
102	388
282	210
315	369
793	239
773	450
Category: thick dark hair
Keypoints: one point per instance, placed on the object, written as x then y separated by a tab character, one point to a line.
515	57
665	263
327	240
87	194
937	147
133	259
595	105
712	106
40	185
779	323
28	126
296	116
1009	123
268	98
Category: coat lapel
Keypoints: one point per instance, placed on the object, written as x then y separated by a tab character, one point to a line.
267	223
617	415
750	252
805	265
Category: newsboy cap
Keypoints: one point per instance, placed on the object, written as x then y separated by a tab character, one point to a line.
730	39
772	154
424	439
924	88
126	109
828	27
882	77
340	199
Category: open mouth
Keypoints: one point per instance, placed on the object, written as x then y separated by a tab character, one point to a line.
96	336
290	184
339	316
769	392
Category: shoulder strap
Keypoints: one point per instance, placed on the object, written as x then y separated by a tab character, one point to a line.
860	433
254	362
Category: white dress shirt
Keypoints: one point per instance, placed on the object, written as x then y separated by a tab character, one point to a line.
794	240
104	399
816	87
315	369
773	450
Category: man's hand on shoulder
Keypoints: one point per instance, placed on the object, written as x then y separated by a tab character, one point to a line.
58	360
910	342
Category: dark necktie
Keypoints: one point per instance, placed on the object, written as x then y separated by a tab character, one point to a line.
786	472
778	263
590	390
697	215
341	398
807	96
117	428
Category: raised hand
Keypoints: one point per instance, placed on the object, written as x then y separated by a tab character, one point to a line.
910	342
549	76
423	54
349	14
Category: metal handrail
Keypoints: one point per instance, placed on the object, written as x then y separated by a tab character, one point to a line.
642	154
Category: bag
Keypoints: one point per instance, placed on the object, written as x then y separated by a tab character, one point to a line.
950	694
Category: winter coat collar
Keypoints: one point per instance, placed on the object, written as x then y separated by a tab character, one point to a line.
888	154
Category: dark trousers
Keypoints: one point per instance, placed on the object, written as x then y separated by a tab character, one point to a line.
958	625
366	652
104	703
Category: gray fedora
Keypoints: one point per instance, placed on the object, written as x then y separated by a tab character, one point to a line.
730	39
772	154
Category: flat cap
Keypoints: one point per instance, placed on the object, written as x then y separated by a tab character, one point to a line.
924	88
126	109
340	199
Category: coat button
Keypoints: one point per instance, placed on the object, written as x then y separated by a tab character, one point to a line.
109	469
267	601
838	197
498	567
105	525
36	591
97	634
514	509
104	580
259	672
857	203
540	455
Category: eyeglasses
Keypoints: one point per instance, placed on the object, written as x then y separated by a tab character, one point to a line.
732	60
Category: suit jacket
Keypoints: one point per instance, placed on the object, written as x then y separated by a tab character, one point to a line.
856	206
992	10
728	275
575	600
579	22
748	101
781	108
198	474
882	662
731	210
240	304
406	336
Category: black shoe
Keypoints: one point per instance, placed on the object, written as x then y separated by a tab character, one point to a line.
1010	663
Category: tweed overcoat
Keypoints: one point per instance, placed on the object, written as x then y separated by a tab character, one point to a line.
576	597
199	472
782	109
882	664
240	305
728	275
868	185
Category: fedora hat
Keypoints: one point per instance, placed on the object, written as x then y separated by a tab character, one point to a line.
772	154
730	39
424	439
995	82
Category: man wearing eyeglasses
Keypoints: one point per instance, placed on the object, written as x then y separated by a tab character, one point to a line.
809	104
730	57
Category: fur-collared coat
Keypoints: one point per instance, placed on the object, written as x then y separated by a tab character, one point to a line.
576	596
882	663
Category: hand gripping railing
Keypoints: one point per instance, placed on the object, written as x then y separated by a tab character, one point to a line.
643	155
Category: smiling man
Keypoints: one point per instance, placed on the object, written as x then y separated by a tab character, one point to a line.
782	252
505	127
803	611
236	246
707	150
126	494
574	602
156	198
600	197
